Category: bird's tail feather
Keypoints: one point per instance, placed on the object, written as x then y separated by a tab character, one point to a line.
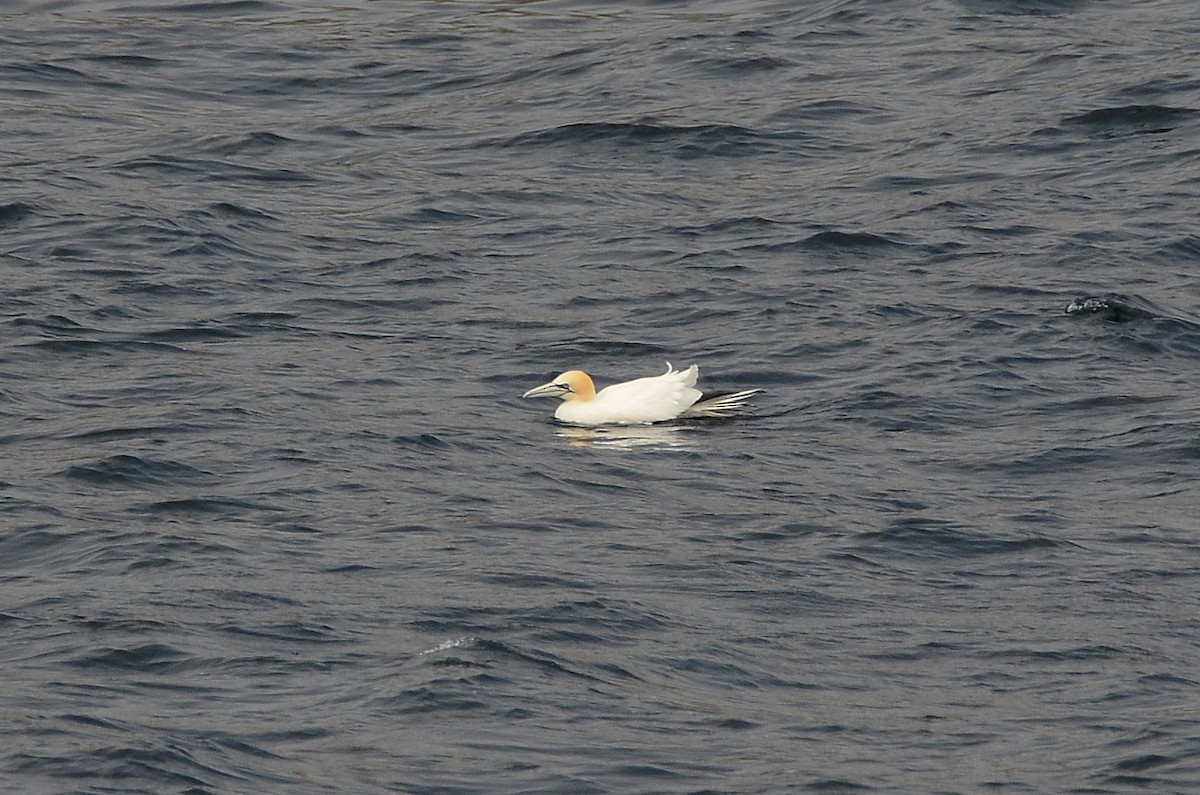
720	404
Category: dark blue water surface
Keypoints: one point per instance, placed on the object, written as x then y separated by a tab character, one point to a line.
273	517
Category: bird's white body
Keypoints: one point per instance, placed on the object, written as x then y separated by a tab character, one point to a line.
672	395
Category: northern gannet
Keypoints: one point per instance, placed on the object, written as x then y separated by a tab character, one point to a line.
655	398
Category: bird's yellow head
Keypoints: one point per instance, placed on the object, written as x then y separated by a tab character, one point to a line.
571	385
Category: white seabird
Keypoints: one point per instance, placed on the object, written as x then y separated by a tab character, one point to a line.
672	395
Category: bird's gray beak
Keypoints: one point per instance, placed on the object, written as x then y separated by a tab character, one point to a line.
547	390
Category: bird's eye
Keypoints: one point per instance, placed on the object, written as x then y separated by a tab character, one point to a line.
564	387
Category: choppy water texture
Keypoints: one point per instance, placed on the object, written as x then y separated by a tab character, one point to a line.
274	519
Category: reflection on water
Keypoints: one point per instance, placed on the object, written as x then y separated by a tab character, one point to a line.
627	436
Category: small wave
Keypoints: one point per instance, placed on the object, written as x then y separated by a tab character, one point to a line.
114	433
251	143
124	59
1164	330
749	224
1025	7
836	785
1144	762
15	212
220	9
291	631
60	73
454	643
206	506
149	658
52	323
1078	653
435	215
1126	115
168	768
210	170
1109	307
744	64
421	441
631	348
831	239
684	140
78	348
235	326
925	537
231	210
130	471
198	333
1131	119
1186	247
